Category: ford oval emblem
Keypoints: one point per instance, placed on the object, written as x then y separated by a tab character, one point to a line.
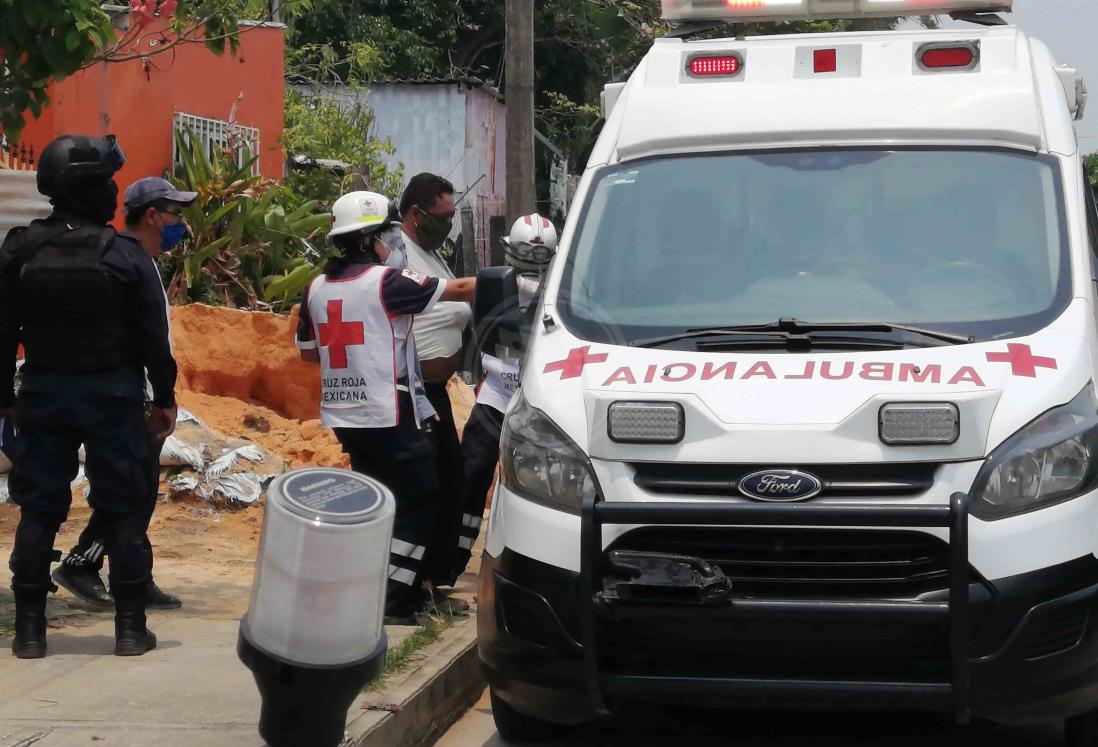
780	486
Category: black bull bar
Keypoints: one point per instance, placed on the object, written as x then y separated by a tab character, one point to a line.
952	695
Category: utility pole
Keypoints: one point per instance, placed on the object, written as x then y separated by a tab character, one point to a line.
520	108
276	11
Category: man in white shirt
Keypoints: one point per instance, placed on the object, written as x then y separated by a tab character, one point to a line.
427	209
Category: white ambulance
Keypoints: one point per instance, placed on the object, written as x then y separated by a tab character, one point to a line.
808	414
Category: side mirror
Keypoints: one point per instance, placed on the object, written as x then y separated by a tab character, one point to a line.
499	319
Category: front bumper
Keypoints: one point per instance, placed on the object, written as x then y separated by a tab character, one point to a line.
1033	650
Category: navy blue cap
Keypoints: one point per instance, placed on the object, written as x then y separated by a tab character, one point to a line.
152	188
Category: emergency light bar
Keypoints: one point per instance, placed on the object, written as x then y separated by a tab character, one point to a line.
787	10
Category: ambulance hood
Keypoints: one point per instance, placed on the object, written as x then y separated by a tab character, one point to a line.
811	408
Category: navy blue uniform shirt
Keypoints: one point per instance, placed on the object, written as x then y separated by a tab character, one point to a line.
146	319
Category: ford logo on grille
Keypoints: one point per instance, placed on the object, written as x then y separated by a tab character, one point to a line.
780	486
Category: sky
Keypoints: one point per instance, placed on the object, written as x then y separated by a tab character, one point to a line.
1070	29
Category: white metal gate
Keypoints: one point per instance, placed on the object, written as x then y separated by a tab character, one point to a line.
216	135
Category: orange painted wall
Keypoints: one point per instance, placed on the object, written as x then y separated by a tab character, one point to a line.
137	105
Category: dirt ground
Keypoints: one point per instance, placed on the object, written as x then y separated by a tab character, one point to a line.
204	555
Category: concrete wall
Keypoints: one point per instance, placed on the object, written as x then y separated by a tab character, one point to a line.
445	127
20	202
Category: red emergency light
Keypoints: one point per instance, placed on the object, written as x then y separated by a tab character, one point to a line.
725	65
964	56
825	60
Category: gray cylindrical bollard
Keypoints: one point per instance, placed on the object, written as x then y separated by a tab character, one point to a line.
313	635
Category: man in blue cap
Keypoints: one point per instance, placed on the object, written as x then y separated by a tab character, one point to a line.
154	219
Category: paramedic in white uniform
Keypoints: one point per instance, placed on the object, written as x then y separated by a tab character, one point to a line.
528	248
356	321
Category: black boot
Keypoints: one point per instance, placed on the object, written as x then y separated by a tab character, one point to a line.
84	582
30	581
131	637
158	599
30	624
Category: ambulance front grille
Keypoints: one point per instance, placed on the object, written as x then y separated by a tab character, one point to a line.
779	563
839	480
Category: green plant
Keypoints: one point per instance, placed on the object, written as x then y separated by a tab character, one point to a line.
410	650
250	245
1091	162
320	127
42	41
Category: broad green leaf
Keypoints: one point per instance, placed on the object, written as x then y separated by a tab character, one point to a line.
222	211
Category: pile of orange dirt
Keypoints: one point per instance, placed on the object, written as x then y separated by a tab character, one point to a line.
240	373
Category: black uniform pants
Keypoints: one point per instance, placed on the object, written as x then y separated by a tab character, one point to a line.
91	547
403	458
480	447
439	567
52	422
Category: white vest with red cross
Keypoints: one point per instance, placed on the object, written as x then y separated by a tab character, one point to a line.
361	350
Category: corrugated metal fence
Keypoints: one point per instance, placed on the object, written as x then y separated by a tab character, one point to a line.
20	202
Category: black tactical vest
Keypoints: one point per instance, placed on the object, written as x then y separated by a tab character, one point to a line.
71	308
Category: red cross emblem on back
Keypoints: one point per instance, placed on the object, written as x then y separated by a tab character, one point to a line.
572	366
337	335
1022	360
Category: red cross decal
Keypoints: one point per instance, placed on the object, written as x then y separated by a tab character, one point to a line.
1022	360
337	335
572	366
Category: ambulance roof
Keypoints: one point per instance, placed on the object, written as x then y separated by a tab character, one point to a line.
878	93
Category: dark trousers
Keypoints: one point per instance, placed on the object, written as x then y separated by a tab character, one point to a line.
55	415
439	567
480	447
403	458
91	548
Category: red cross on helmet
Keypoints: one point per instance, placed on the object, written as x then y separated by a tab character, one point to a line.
364	212
531	244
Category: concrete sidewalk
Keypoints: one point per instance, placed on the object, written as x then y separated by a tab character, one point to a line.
192	691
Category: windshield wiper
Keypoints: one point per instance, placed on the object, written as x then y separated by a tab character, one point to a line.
794	332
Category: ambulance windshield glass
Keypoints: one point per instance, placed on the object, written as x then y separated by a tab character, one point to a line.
970	242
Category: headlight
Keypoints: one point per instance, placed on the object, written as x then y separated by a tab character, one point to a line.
540	463
1050	461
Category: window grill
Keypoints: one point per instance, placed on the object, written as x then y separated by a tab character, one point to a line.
217	135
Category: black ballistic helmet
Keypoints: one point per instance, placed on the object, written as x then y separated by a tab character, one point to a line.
71	159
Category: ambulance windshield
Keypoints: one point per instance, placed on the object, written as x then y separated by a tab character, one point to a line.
971	242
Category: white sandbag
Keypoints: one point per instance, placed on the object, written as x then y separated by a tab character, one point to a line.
179	453
242	487
228	459
186	416
252	453
183	484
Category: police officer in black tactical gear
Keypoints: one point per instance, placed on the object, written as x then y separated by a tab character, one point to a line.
89	310
154	216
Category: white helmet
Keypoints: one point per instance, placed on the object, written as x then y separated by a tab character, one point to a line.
531	243
364	212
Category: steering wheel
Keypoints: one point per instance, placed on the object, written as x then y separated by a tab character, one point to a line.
958	271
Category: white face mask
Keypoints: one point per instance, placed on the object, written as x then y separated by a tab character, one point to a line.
391	240
397	259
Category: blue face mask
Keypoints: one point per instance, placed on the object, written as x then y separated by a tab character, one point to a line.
172	236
